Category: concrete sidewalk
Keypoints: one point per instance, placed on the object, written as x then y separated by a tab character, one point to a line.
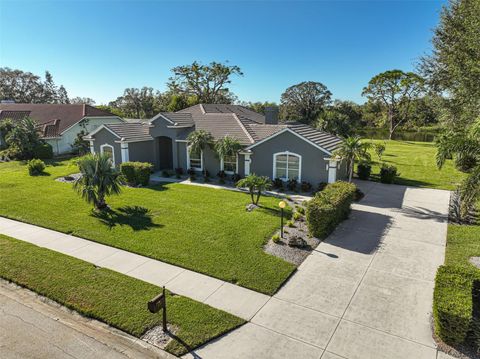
231	298
365	292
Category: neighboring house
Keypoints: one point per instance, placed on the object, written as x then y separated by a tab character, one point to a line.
59	124
286	151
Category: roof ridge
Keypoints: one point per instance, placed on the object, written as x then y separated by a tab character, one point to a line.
243	127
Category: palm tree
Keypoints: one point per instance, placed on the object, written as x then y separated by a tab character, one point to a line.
99	179
463	145
198	141
256	185
353	149
227	146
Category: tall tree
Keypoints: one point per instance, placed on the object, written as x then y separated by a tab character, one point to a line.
341	118
82	100
396	90
138	103
208	83
453	67
258	106
304	102
25	87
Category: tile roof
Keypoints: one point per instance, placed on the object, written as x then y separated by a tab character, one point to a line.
179	119
46	114
130	131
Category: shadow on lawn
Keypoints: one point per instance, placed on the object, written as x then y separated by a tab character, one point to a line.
138	218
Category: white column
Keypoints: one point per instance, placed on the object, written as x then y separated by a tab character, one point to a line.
92	149
332	170
247	163
124	150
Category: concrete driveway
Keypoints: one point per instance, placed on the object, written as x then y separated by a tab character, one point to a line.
366	292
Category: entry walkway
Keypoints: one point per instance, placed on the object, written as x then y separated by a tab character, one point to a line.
364	293
231	298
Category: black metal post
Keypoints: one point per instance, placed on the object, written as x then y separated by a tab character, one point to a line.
164	321
281	226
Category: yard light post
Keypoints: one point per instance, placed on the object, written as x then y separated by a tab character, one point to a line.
282	205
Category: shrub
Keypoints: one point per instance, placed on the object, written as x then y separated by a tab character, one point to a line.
300	210
276	238
292	184
191	174
43	151
35	167
136	173
329	207
388	173
297	216
321	186
236	177
290	224
277	184
379	149
165	173
364	169
465	163
306	186
453	300
178	172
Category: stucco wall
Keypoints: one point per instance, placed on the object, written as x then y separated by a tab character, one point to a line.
106	137
64	144
142	152
313	168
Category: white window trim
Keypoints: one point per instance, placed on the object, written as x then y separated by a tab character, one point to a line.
188	160
222	166
113	151
288	154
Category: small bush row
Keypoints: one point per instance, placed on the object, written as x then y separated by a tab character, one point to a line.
329	207
387	172
136	173
456	305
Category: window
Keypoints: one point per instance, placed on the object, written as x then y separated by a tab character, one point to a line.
287	166
108	150
195	160
230	164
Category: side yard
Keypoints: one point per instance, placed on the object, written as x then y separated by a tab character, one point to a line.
415	162
202	229
109	296
456	298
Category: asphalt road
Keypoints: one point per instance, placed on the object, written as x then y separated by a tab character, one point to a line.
31	327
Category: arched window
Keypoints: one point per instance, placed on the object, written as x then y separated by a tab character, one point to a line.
287	166
108	149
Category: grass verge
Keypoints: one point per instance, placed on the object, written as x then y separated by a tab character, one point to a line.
108	296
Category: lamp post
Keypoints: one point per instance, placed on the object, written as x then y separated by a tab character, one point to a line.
282	205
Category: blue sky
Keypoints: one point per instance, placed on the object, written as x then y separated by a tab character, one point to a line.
97	49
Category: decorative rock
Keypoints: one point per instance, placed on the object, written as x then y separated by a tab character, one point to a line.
475	261
70	178
250	207
296	241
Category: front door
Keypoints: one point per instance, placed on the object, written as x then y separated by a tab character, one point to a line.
165	153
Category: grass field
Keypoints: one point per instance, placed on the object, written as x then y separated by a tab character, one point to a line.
415	162
109	296
202	229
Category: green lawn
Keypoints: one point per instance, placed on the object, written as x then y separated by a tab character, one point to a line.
111	297
202	229
416	163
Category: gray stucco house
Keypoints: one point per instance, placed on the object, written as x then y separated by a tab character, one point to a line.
286	151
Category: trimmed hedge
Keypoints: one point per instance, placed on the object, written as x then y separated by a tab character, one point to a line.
136	173
364	169
329	207
43	151
456	320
